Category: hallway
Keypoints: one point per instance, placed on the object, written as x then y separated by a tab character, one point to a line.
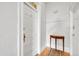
33	28
56	19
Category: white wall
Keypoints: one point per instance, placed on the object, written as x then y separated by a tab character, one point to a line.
75	41
57	22
35	45
39	29
8	29
43	27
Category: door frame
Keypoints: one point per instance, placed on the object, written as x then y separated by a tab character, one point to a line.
21	24
71	33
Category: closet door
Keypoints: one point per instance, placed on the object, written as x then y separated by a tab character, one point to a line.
28	30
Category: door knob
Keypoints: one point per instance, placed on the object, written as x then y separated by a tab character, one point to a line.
24	37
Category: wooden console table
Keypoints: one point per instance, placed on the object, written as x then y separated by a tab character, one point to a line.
56	37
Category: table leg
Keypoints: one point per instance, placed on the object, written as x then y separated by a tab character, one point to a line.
63	45
62	53
50	47
55	44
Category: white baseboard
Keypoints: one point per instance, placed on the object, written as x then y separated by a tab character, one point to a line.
37	51
34	52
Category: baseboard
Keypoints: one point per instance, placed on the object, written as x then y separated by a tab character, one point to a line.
34	52
40	50
37	51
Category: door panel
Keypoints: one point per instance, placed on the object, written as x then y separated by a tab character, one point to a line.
27	28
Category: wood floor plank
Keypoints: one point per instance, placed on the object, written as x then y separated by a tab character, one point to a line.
53	52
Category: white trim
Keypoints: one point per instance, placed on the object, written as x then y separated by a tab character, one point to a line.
42	49
21	27
34	52
18	27
71	31
39	20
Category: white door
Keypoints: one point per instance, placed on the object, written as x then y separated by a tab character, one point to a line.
28	30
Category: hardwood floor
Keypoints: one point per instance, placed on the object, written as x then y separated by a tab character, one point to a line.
53	52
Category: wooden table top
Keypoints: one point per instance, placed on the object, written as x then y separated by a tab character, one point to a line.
57	36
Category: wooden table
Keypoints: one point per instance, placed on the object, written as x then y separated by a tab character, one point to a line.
56	37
